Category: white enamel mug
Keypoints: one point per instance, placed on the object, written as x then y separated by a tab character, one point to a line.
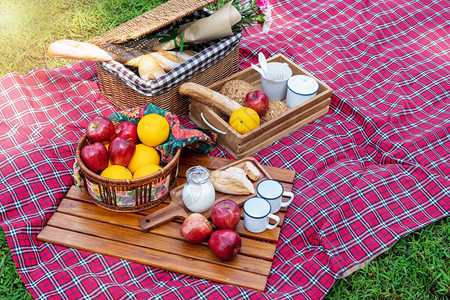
300	88
273	191
274	83
257	215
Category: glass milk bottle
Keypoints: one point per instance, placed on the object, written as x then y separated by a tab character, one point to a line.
198	192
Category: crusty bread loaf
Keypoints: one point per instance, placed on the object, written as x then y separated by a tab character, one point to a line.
209	97
150	67
79	50
231	182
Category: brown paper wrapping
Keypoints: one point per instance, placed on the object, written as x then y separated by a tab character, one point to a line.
216	26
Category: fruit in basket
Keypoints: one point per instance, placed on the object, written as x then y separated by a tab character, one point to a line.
95	156
196	228
226	214
225	243
258	101
100	129
109	156
153	130
116	172
143	155
128	131
244	120
121	151
146	170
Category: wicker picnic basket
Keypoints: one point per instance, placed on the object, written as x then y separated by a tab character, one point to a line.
123	87
128	195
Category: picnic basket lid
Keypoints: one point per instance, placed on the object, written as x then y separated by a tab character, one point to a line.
152	20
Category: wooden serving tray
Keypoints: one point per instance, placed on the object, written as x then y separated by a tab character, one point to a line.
79	224
243	145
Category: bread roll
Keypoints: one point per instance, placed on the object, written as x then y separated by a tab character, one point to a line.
231	182
167	60
237	90
251	171
149	69
236	170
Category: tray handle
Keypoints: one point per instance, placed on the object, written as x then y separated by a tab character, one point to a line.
211	126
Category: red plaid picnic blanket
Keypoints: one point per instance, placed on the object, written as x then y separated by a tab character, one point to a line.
372	170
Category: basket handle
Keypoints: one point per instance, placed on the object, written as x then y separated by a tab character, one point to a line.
211	126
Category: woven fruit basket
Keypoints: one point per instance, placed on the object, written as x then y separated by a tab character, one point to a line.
213	60
127	195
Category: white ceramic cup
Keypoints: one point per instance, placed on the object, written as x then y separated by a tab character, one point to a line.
273	191
300	88
275	88
257	215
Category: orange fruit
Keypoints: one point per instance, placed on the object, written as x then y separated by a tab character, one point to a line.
146	170
153	130
116	172
244	119
110	163
143	155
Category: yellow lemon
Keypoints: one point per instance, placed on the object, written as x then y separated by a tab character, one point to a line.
142	156
116	172
153	130
146	170
244	119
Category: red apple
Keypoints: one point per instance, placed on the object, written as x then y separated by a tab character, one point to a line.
95	156
127	131
258	101
121	151
196	228
225	243
225	214
100	129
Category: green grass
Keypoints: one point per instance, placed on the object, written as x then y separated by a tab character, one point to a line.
11	286
27	28
417	267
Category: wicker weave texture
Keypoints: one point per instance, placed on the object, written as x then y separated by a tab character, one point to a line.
124	97
141	186
152	20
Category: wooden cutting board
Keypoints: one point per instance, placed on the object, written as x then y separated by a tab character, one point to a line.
177	209
79	224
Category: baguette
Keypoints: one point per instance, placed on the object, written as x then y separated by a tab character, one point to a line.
152	65
209	97
230	182
86	51
78	50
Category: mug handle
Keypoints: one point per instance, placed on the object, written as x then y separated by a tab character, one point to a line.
291	197
273	217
